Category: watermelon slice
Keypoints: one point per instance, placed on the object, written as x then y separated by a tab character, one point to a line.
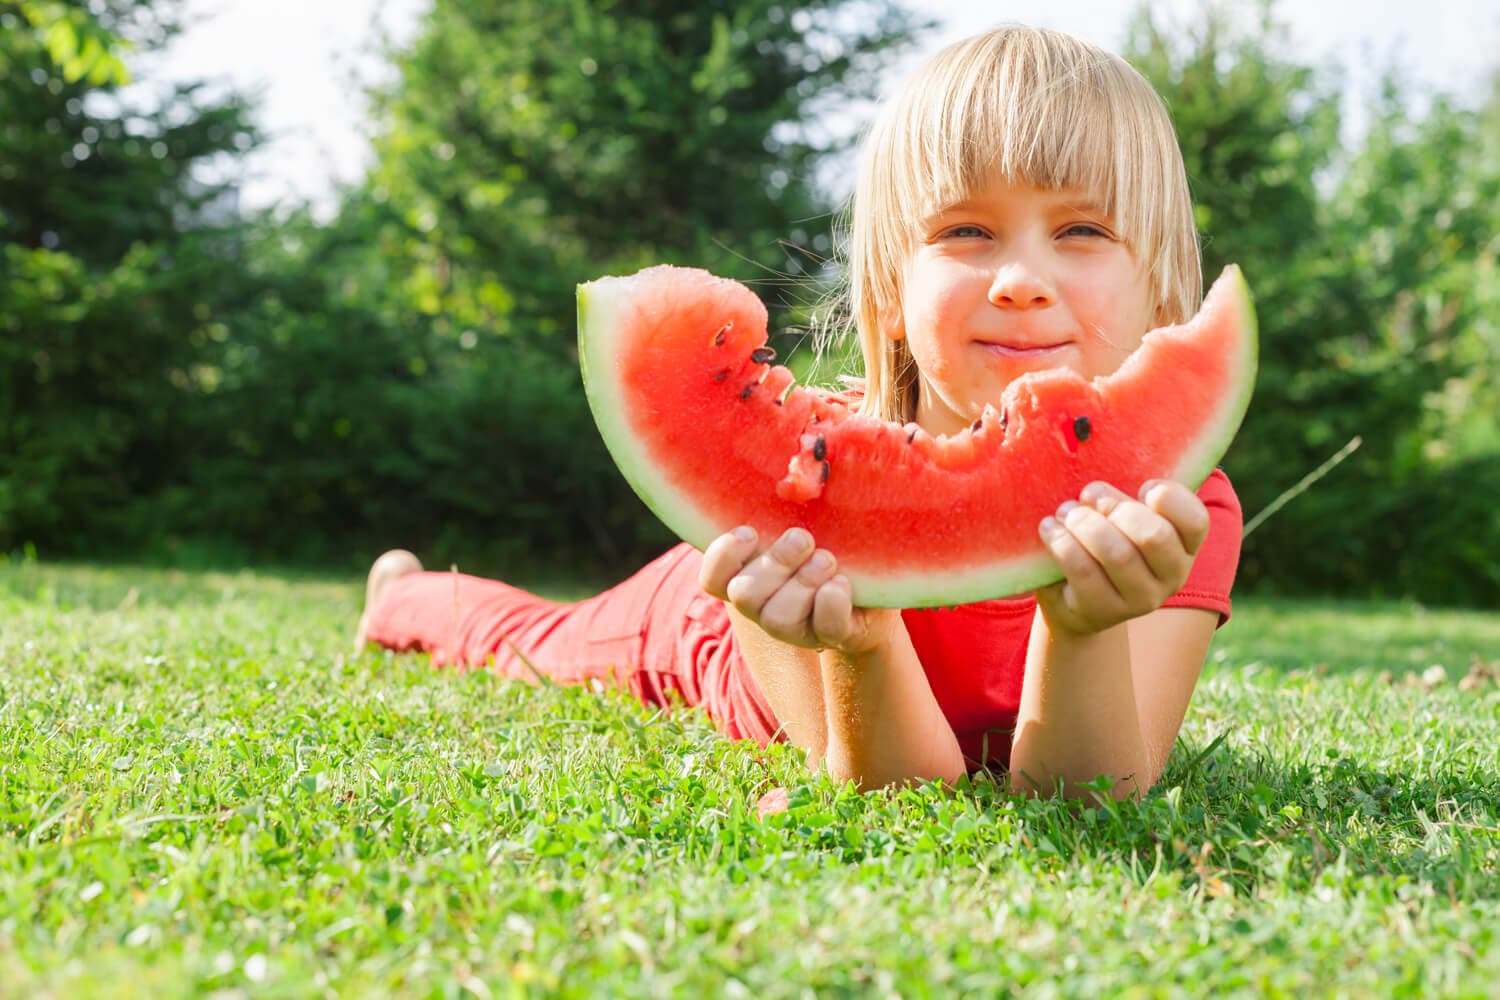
712	435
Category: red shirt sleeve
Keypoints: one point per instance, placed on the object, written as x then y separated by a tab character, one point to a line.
1212	576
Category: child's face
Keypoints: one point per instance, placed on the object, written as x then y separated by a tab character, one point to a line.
1017	279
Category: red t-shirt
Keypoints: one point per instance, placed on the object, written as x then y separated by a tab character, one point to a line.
975	655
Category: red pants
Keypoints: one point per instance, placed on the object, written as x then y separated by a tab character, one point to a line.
657	633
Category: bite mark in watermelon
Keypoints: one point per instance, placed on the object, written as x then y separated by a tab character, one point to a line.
712	435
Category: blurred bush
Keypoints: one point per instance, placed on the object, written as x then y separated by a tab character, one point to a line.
113	263
175	378
1373	269
405	374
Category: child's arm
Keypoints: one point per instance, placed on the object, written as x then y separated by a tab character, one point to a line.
843	681
1109	672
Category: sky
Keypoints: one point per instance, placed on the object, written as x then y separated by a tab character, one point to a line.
310	102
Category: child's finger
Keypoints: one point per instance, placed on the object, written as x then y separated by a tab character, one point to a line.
1155	539
833	612
1087	585
1180	505
1114	554
787	613
724	557
768	572
1153	536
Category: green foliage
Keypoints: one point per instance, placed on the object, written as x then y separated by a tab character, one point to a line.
1374	275
109	270
75	41
340	422
530	145
404	374
171	377
201	791
407	374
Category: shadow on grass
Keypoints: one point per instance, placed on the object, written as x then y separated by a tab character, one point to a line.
1223	821
1440	826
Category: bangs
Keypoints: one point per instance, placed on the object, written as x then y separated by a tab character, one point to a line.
1048	116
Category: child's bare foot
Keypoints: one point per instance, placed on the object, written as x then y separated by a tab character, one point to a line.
386	570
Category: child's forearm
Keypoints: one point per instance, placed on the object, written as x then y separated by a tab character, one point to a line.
885	726
870	718
789	679
1078	717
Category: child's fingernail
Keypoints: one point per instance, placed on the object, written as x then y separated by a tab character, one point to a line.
1091	493
745	533
1050	528
796	538
1067	507
820	562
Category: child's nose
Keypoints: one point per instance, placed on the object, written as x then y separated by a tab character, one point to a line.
1017	286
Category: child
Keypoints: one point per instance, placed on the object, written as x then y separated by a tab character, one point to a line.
1021	205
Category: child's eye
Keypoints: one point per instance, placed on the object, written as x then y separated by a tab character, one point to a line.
964	232
1085	229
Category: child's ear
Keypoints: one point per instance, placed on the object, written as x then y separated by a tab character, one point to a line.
892	323
1159	315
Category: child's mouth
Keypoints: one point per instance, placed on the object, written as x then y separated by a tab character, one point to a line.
1028	352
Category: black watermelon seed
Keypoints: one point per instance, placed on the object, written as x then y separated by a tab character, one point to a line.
763	355
745	394
911	437
1081	428
1004	419
820	449
721	375
723	332
825	472
977	424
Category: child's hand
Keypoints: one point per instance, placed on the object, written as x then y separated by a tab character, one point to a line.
792	590
1121	557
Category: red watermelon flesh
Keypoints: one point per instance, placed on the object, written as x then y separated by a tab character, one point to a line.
712	435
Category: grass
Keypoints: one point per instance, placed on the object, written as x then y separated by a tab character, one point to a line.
200	793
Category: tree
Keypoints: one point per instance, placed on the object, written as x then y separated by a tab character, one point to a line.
530	145
1374	279
108	266
1417	214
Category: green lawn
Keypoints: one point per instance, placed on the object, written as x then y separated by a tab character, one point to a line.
201	793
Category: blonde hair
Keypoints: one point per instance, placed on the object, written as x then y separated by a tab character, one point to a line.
1029	106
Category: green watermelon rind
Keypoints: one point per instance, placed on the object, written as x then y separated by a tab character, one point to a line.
600	304
1197	463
